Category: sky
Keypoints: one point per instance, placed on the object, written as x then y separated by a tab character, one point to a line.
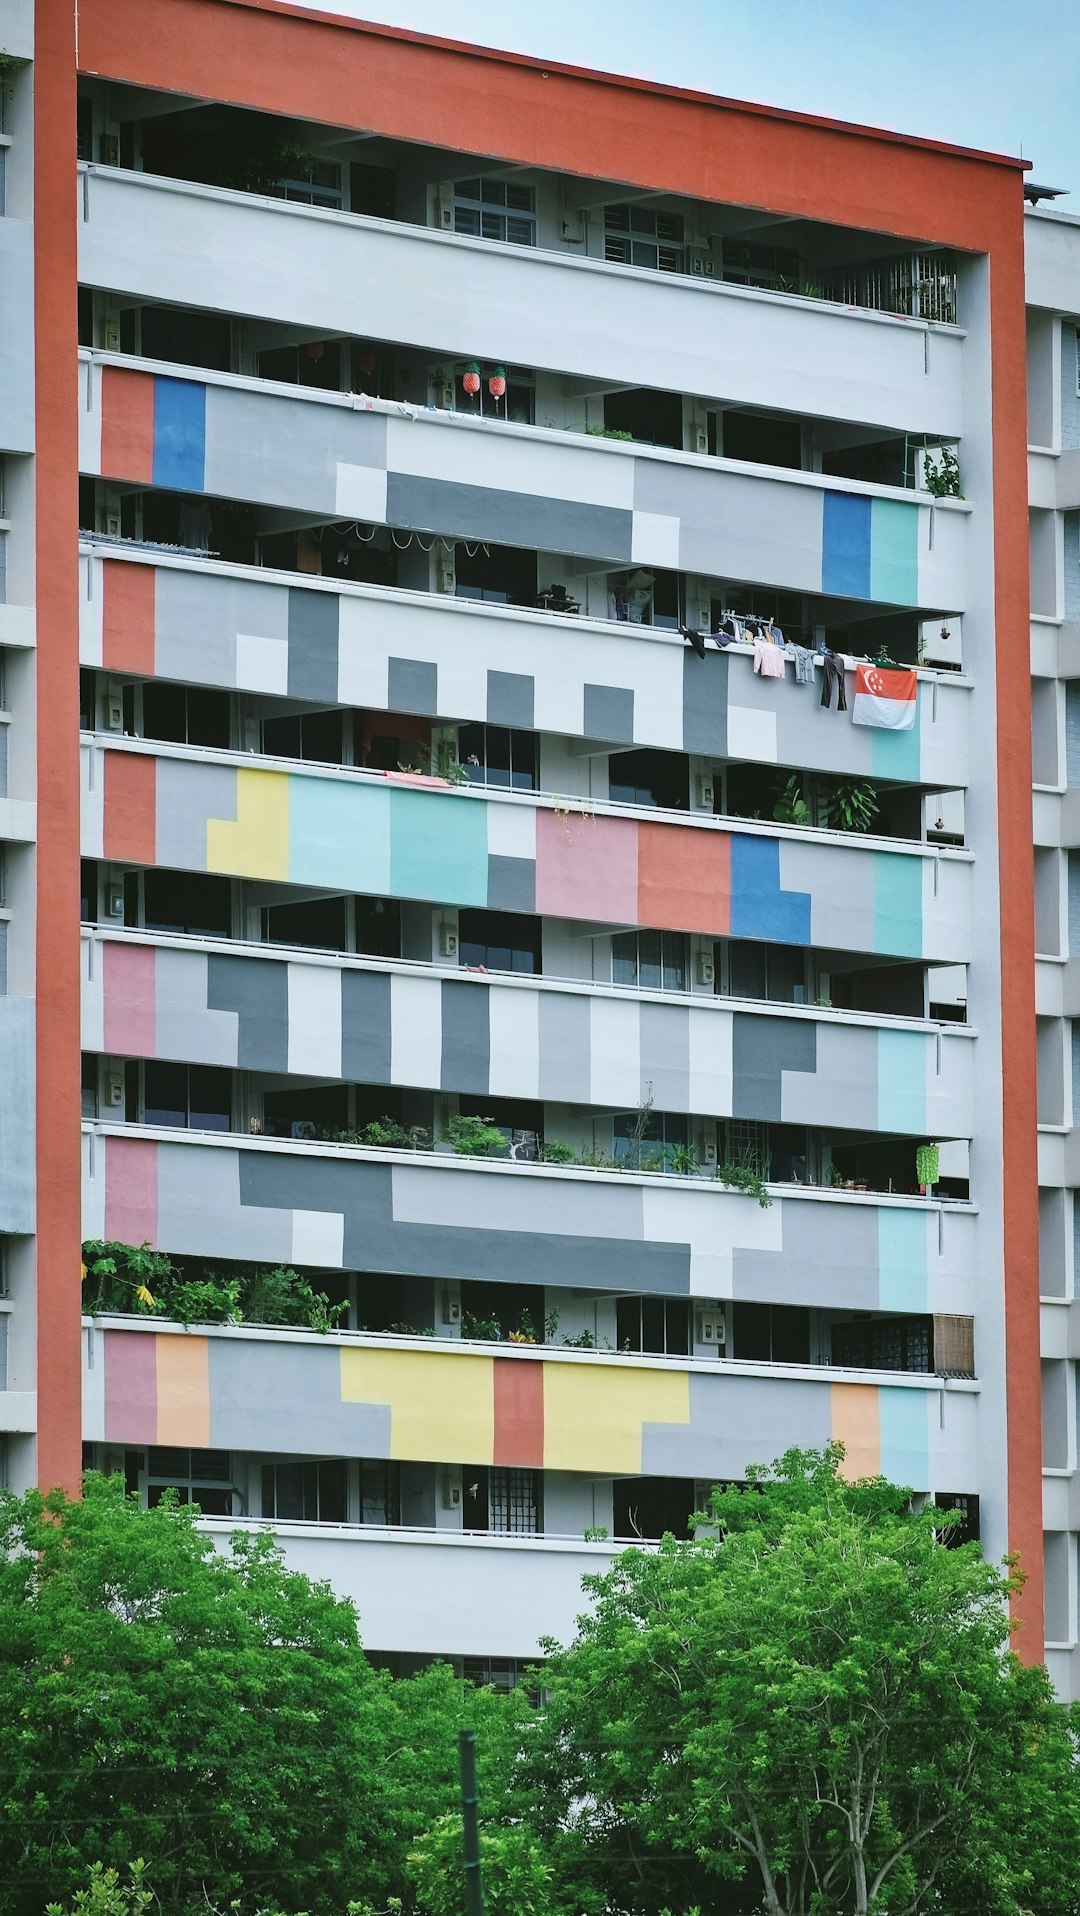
999	74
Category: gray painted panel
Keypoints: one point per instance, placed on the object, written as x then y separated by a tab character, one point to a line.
16	1114
511	883
200	1195
829	1252
197	618
508	518
761	1049
510	699
257	989
705	702
313	645
365	1027
665	1055
735	1421
565	1045
466	1038
609	713
3	761
253	1386
412	686
284	451
186	797
3	954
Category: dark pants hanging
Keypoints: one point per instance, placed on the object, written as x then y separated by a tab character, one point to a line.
833	672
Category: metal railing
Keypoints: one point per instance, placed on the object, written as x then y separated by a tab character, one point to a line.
915	285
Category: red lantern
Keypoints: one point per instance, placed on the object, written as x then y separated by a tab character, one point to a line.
367	361
497	383
471	380
315	349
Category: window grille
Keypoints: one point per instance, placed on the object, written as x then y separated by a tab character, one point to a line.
496	210
513	1503
748	1143
639	236
918	285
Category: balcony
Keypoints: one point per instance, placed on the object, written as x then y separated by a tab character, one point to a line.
415	469
418	838
334	1207
147	236
583	678
583	1414
378	1021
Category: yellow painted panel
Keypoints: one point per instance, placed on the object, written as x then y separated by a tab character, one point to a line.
442	1404
183	1391
256	843
594	1414
856	1425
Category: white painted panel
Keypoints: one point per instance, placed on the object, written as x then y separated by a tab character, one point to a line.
616	1052
512	830
315	1020
655	540
361	492
318	1237
415	1029
710	1060
515	1042
262	664
751	734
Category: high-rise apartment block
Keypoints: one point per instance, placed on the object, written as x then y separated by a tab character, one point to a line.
543	563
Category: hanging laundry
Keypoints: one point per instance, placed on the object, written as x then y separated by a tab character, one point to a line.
833	674
884	696
696	639
752	627
776	634
728	628
768	659
804	665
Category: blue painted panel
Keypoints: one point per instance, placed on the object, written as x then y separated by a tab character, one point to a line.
898	890
894	552
902	1081
438	847
902	1279
179	434
759	909
845	545
339	835
905	1435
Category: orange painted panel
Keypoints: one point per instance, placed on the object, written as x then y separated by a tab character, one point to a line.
519	1413
127	424
183	1391
856	1424
684	879
127	638
130	808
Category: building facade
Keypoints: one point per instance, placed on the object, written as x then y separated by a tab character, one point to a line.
488	481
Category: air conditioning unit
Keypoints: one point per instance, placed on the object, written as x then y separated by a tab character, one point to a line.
712	1324
448	940
706	968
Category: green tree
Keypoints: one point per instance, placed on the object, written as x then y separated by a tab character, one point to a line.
517	1881
215	1717
810	1709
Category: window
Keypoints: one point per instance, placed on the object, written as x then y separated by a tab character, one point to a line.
646	1144
306	1492
495	755
321	187
312	735
202	1477
771	1333
378	927
774	973
883	1343
181	714
498	1673
499	940
655	1324
173	333
638	236
756	263
498	575
89	1085
316	363
747	1142
506	1502
518	402
306	1112
967	1505
191	1097
87	701
88	886
196	903
496	210
319	924
380	1492
648	777
651	960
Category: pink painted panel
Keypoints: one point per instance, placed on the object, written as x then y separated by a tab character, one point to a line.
131	1190
130	1387
130	1004
587	867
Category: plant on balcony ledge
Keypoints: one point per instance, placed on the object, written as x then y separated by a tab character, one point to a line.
744	1177
118	1278
849	805
472	1137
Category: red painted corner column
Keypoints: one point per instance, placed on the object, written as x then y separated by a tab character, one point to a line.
56	466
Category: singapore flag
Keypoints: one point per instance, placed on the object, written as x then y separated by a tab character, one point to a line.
884	697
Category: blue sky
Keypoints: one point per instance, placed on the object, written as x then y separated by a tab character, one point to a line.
989	73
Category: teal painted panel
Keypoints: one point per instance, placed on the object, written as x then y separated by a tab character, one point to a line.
902	1276
904	1425
898	754
898	891
894	552
439	847
339	834
902	1081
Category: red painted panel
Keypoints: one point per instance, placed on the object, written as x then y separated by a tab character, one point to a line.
127	424
130	808
684	878
131	1190
130	1387
128	616
128	984
519	1413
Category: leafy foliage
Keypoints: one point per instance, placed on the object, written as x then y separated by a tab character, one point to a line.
849	804
131	1278
473	1137
517	1880
943	474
